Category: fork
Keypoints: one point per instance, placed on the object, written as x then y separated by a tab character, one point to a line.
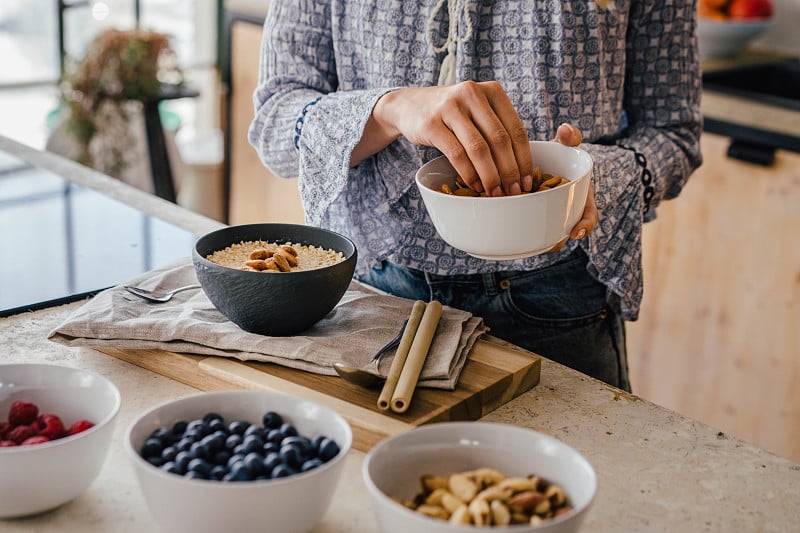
157	296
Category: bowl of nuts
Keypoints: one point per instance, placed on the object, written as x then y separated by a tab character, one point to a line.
238	461
56	424
509	227
274	279
453	476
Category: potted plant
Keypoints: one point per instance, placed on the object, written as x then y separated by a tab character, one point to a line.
121	69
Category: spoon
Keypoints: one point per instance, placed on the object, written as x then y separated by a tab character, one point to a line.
364	378
157	296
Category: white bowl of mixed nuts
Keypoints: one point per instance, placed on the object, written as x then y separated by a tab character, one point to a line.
454	476
509	227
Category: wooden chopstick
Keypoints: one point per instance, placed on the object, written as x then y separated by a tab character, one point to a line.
409	375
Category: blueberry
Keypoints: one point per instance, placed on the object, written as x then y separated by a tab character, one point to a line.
199	450
164	434
271	420
179	427
262	477
209	417
169	453
182	461
152	448
191	474
184	445
301	442
170	467
239	427
214	442
254	463
288	430
197	427
233	441
217	472
236	458
270	447
155	460
275	435
316	441
253	443
255	430
271	460
193	435
239	472
199	466
291	455
218	424
221	457
240	449
328	449
281	470
311	464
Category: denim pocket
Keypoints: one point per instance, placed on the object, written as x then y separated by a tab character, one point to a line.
561	296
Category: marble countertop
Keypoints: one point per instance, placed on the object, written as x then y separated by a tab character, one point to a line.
657	470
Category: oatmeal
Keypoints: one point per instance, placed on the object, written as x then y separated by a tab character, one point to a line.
262	256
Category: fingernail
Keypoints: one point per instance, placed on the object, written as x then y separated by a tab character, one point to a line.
514	190
478	186
527	183
581	234
497	191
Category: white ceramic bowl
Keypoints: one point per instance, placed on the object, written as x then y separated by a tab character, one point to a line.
718	39
393	469
509	227
40	477
290	504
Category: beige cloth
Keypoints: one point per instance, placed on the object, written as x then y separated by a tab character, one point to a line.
352	333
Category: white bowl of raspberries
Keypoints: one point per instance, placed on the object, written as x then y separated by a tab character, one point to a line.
55	429
238	461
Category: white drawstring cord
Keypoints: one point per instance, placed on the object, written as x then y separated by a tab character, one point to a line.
447	73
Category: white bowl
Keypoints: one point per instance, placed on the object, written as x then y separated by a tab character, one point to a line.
509	227
290	504
393	468
41	477
719	39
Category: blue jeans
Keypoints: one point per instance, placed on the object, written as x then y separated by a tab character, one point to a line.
559	312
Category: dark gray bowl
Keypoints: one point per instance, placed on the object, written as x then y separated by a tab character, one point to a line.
274	304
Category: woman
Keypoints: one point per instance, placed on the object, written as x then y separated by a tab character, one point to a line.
354	96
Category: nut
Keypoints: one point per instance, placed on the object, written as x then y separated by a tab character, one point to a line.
261	253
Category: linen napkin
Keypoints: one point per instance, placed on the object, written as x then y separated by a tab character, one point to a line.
362	322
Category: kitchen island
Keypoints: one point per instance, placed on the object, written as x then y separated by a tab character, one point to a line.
657	470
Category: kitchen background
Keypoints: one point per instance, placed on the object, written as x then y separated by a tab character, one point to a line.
718	338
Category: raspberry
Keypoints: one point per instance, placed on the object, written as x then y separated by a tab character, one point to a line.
7	443
22	413
20	433
5	427
51	426
80	425
36	439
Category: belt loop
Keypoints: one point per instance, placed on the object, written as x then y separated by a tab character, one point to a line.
489	283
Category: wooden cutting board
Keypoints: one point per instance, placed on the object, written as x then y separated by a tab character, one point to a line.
495	372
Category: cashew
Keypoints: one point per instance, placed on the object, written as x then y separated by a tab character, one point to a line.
431	483
261	253
462	487
434	511
480	512
461	515
501	516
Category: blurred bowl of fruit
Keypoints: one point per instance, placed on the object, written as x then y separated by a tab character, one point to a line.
56	424
238	461
726	27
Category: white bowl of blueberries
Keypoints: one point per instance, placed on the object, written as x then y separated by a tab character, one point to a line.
238	461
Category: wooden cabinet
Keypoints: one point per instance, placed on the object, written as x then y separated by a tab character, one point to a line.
718	338
255	194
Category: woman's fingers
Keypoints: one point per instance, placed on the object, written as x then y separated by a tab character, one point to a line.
589	219
569	135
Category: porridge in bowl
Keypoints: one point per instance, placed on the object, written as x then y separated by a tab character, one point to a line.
262	256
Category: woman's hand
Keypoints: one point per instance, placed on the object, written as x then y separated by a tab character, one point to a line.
473	124
569	135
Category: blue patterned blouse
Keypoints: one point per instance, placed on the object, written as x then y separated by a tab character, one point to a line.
627	76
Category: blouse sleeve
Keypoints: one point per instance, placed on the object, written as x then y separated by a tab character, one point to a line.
302	126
